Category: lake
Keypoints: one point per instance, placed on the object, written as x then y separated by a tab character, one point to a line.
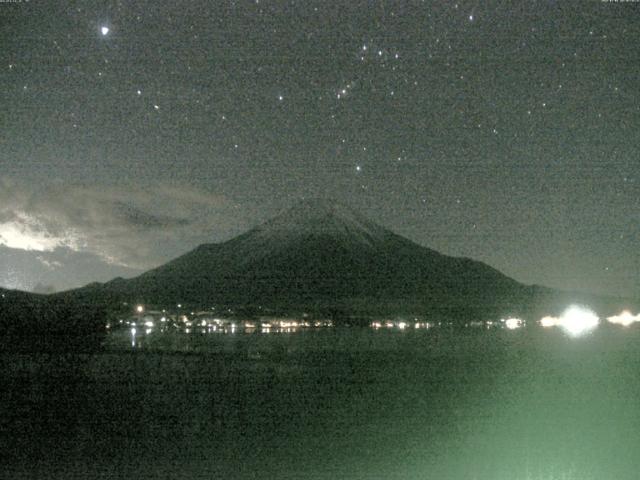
332	403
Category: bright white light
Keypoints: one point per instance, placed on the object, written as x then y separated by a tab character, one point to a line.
402	325
139	309
577	321
104	30
148	323
625	318
513	323
549	321
26	232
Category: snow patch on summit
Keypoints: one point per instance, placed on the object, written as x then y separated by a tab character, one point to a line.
320	218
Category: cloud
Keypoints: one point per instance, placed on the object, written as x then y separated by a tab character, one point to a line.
61	269
26	232
137	218
50	264
130	226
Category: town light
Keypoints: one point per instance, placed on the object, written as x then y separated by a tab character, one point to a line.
549	321
577	321
139	309
513	323
625	318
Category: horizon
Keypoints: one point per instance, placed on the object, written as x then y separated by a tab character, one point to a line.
323	205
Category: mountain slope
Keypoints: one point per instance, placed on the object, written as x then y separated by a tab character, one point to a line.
323	257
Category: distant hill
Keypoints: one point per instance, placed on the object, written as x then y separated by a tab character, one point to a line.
323	257
33	322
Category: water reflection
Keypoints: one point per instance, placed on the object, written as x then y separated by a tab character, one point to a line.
536	410
221	327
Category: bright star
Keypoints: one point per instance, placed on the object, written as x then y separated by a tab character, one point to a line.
104	30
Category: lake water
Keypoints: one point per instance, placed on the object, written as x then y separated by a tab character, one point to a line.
330	404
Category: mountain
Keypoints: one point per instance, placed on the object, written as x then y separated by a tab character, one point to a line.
324	257
40	323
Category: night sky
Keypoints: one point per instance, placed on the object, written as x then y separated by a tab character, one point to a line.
506	131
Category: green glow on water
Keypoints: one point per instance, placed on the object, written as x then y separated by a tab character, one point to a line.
360	404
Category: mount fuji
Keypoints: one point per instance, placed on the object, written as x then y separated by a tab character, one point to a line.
324	257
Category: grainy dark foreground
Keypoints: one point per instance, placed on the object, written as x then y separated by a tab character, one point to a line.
341	403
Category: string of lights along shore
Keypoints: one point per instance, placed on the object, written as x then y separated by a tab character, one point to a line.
501	131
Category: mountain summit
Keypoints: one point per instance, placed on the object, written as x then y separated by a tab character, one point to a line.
319	218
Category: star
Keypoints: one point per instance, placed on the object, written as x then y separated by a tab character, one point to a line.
358	168
104	30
